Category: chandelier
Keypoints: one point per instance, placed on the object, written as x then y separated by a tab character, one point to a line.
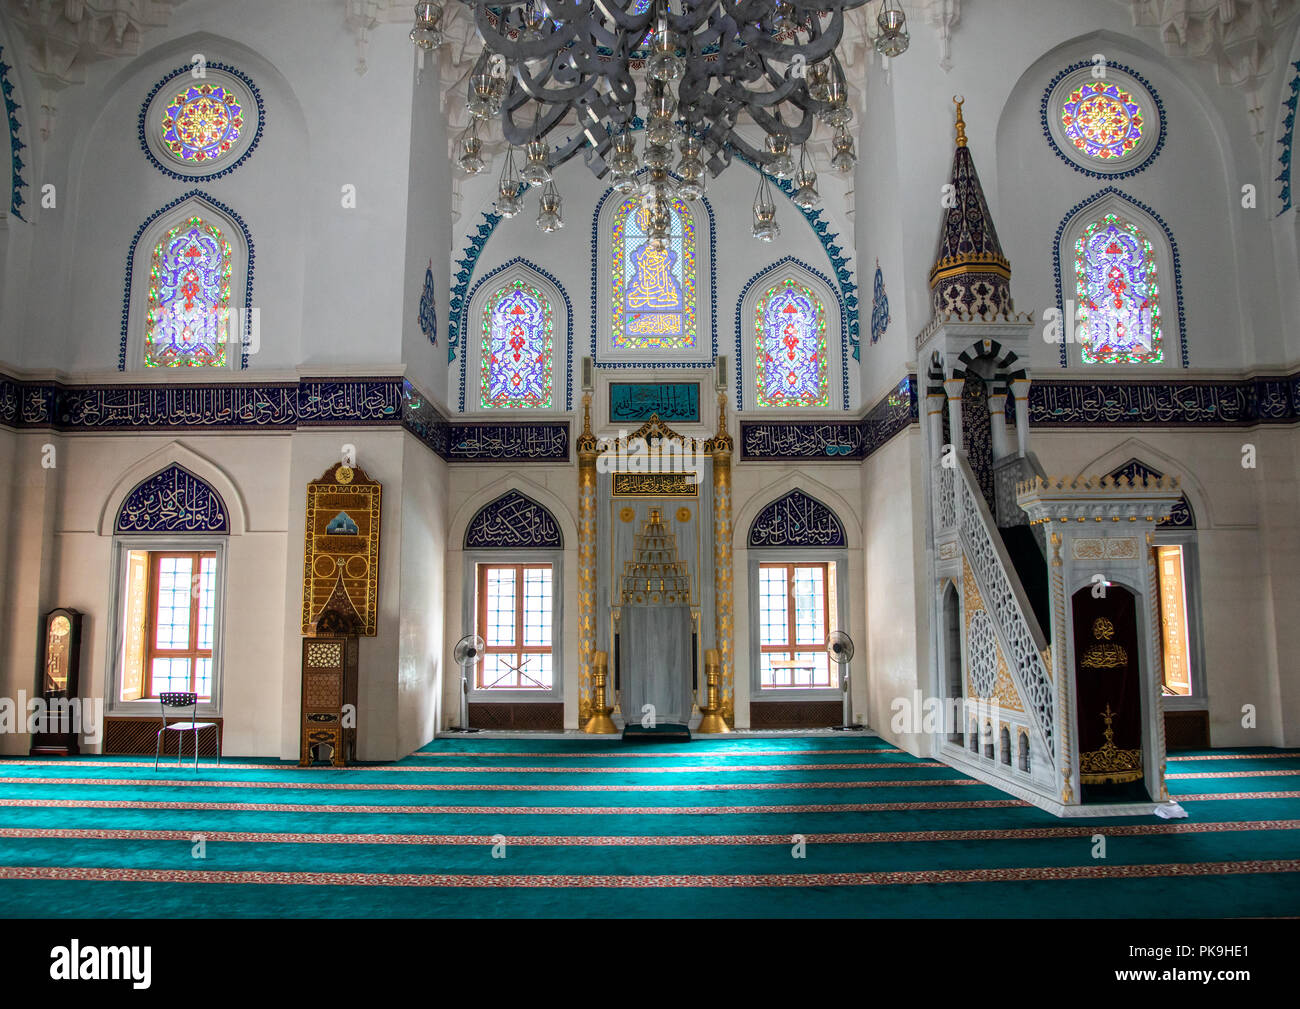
715	78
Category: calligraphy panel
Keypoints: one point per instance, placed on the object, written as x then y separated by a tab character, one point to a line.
513	521
173	500
797	520
341	557
654	485
669	401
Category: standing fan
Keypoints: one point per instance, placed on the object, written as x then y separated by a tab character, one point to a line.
840	647
466	653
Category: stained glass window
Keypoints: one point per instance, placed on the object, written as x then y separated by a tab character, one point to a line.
518	329
1119	308
790	355
202	123
1102	120
189	298
653	282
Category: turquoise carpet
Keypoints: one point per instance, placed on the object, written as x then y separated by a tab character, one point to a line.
531	828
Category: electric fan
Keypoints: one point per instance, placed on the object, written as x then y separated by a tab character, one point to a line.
840	647
466	653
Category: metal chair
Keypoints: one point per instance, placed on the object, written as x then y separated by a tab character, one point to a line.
181	699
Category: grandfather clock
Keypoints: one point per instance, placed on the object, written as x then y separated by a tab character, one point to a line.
60	674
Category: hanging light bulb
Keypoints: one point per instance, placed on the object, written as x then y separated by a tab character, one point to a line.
508	202
470	158
845	157
535	172
486	90
778	145
549	216
426	34
837	95
806	196
664	64
765	227
624	163
690	170
817	79
893	39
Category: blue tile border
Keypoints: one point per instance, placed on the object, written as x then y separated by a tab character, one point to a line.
1078	209
276	406
832	440
1044	118
15	141
1288	138
741	328
395	402
142	125
246	326
526	264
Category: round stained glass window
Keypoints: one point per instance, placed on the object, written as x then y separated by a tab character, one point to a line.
201	123
1104	119
201	127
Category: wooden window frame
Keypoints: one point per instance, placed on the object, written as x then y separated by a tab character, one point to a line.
193	653
518	649
792	646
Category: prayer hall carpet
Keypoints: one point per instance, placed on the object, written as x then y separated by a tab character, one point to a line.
601	828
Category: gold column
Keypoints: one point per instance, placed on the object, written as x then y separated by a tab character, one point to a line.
587	453
719	447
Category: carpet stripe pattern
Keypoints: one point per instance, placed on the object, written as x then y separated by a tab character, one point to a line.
711	827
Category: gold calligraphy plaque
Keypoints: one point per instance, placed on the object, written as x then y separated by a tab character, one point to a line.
342	546
655	485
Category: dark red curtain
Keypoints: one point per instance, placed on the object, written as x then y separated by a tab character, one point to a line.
1108	686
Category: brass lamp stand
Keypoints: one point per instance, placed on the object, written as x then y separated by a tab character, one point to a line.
600	723
712	720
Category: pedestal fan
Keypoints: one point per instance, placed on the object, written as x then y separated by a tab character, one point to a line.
466	653
840	647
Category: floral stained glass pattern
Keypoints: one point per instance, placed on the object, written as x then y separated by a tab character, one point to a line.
188	317
1102	120
202	123
654	283
790	325
1119	307
518	333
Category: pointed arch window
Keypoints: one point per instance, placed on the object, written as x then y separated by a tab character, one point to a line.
518	348
188	320
654	282
790	351
1118	294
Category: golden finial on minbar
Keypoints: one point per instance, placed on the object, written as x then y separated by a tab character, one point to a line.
959	101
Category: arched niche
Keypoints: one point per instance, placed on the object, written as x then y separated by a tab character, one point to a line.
173	500
181	457
513	521
745	512
468	394
796	519
836	331
484	496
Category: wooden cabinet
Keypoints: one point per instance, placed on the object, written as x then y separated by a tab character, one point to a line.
329	699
